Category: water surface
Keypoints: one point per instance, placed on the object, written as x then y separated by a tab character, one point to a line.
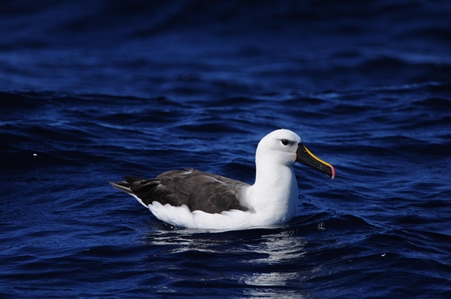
92	90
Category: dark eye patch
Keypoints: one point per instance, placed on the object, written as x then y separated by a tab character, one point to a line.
285	142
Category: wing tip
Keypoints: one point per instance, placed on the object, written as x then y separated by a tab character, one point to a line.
122	186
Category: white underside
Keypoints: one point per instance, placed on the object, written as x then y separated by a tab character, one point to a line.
227	220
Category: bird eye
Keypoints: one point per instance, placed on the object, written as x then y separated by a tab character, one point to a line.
285	142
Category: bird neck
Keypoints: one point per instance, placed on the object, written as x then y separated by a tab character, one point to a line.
275	191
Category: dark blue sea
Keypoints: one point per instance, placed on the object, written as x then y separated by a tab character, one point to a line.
93	90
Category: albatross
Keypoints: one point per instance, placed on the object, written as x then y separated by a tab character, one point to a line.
193	199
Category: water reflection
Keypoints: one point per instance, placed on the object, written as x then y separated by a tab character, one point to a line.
279	247
179	241
282	275
264	263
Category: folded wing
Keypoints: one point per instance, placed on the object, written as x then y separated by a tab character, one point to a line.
197	190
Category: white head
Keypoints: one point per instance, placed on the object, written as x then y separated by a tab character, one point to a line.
279	146
284	147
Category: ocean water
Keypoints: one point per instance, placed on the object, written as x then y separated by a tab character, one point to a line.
91	91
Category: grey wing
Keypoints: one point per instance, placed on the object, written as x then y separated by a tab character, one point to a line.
215	194
198	190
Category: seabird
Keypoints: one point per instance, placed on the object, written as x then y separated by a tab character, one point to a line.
194	199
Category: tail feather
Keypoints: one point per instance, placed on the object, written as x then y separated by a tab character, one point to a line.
123	186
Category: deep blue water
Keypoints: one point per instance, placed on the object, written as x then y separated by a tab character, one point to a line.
94	90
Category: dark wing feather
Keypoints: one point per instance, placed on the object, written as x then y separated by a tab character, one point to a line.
198	190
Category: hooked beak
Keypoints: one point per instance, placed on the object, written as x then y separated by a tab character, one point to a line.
304	156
